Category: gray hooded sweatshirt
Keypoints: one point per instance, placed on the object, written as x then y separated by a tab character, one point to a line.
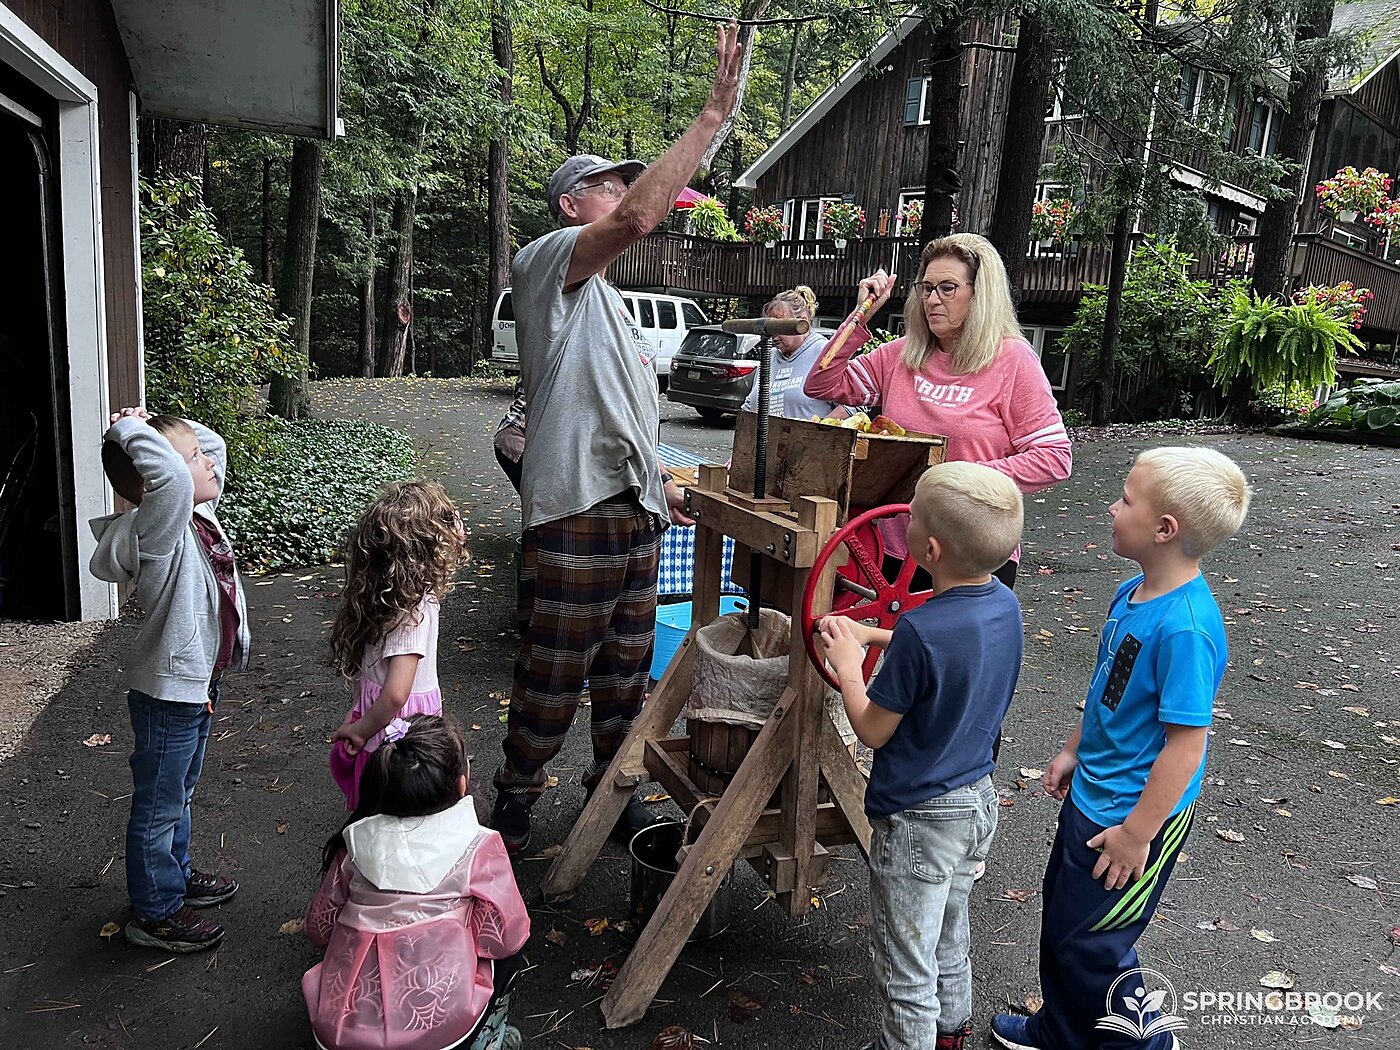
156	545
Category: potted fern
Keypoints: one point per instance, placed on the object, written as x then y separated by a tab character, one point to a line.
1280	344
709	219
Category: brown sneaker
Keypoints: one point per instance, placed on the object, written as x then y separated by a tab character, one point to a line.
185	931
204	889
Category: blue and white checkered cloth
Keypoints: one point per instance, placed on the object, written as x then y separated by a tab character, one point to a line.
678	543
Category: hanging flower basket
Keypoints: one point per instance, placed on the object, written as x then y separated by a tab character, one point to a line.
1350	193
843	220
1385	218
1051	220
765	224
911	217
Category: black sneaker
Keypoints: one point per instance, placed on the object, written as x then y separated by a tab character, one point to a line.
511	820
185	931
205	889
634	817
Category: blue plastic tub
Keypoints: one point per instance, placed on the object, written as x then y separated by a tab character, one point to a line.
672	623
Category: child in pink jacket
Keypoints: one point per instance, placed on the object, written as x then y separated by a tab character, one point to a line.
418	911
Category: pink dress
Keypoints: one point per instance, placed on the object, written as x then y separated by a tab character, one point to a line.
411	917
425	698
1004	416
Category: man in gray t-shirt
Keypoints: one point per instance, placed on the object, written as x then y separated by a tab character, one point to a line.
594	496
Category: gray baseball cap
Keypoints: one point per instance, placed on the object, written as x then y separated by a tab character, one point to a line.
584	166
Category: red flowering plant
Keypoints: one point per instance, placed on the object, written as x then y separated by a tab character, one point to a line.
1344	301
1352	190
843	220
911	217
1386	217
765	224
1051	219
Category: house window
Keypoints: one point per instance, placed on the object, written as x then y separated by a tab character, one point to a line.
1058	105
916	102
1191	86
1053	357
804	217
1263	128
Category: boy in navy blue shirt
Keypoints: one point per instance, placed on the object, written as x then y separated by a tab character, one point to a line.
1130	774
932	715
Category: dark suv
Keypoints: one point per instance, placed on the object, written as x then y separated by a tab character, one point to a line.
713	371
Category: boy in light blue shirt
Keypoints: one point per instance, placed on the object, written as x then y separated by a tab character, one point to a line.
1130	774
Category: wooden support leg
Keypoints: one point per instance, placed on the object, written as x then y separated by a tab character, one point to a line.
704	868
627	770
798	835
846	783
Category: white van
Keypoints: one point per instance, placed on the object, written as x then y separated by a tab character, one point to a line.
664	319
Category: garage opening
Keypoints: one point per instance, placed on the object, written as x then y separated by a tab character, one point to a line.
38	556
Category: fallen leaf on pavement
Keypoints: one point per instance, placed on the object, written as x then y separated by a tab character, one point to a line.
1277	979
291	926
109	930
742	1005
596	926
673	1037
1020	896
1032	774
1228	835
555	937
98	740
1389	800
1263	935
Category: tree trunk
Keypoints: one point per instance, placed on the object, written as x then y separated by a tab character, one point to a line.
1295	141
399	315
367	304
748	9
790	76
1108	347
1022	144
289	397
498	160
267	222
172	148
668	89
942	177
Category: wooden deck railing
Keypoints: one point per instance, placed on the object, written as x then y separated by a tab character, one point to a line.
685	265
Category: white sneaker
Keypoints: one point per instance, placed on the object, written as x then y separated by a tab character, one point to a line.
980	870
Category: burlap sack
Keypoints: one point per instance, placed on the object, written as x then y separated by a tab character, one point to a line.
743	689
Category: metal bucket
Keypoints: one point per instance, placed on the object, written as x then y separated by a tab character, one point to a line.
654	865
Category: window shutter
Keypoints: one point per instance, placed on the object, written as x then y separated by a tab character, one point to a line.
913	95
1276	119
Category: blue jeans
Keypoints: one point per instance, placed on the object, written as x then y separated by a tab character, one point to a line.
921	863
165	767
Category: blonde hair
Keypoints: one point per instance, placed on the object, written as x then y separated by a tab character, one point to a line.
975	512
1202	489
991	319
407	544
799	302
121	472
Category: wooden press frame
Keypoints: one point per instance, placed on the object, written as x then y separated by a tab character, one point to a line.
815	474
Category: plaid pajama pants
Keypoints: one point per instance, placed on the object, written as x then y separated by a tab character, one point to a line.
588	588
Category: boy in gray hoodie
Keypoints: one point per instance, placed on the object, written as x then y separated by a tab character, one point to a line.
174	550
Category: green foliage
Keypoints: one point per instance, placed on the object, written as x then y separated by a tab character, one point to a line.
212	332
1277	344
1283	404
711	220
290	500
1074	418
1167	317
1371	406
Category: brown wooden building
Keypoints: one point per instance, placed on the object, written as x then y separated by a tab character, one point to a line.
865	139
73	78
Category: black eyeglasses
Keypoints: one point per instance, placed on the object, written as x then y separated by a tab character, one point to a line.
945	289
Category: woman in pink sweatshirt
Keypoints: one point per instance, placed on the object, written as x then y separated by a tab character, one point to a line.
963	369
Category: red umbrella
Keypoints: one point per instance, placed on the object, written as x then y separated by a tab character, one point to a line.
690	198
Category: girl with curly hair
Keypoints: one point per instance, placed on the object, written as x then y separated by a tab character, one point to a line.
399	560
